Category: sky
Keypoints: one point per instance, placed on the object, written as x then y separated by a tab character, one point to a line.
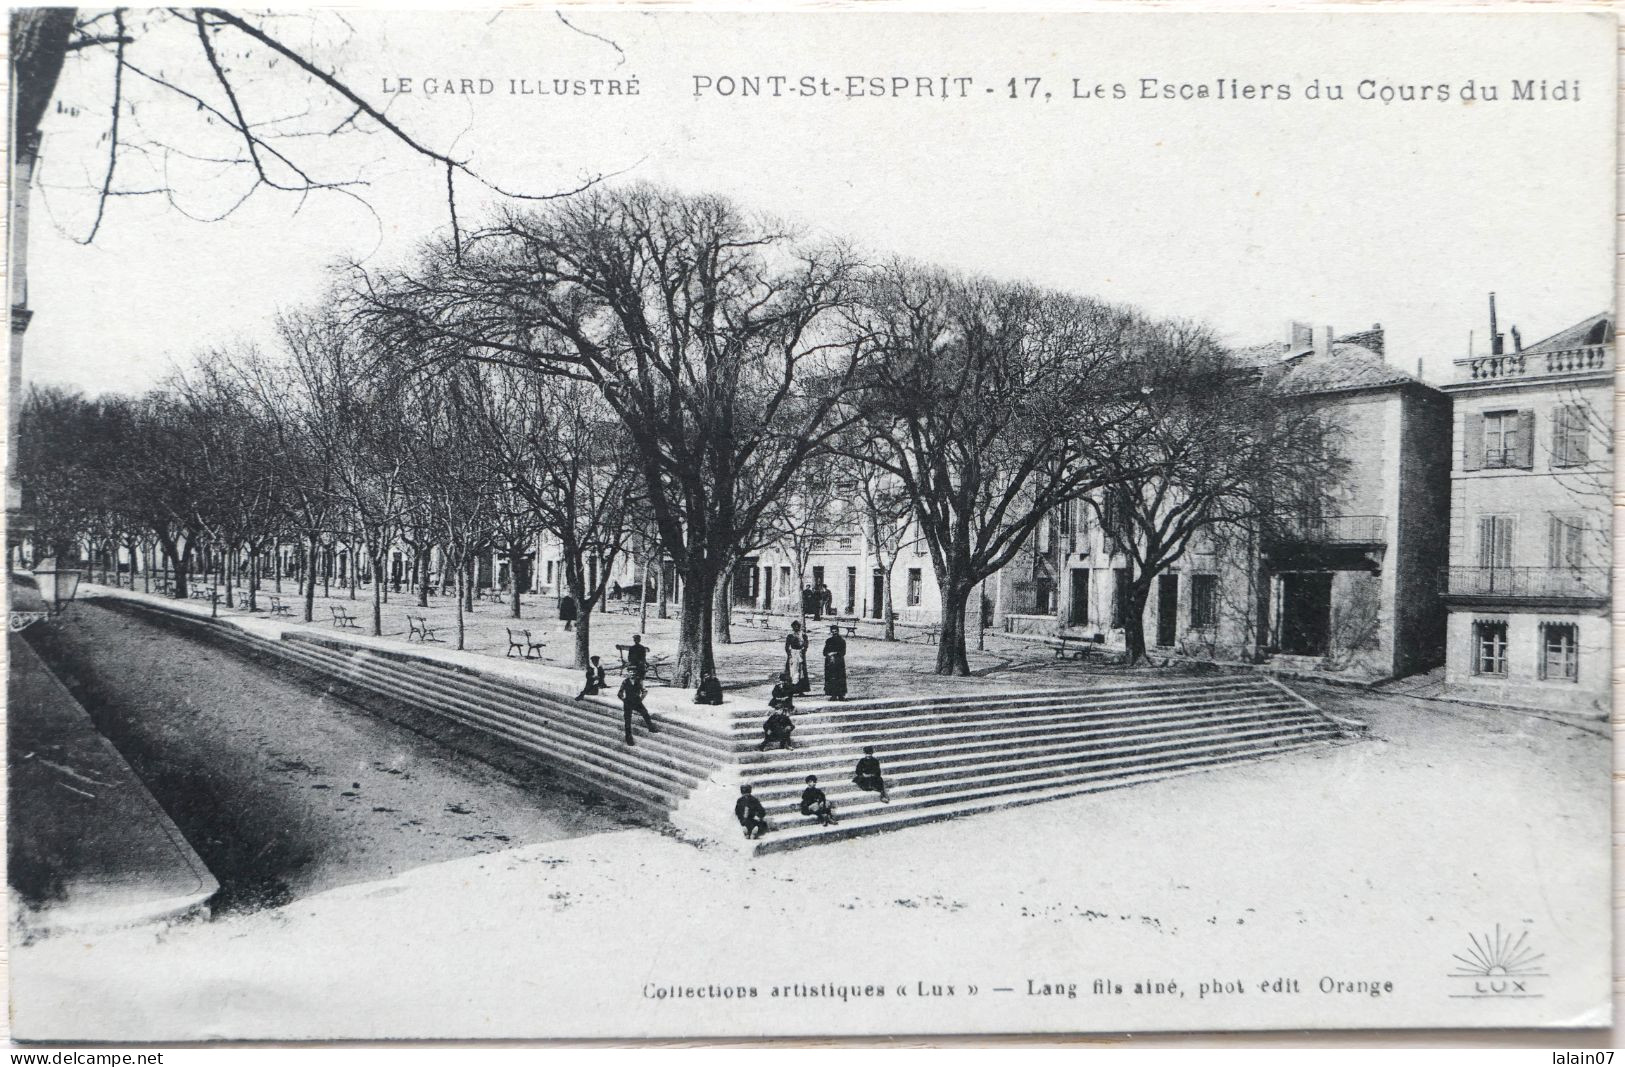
1244	213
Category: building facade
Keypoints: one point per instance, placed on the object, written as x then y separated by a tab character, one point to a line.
1527	589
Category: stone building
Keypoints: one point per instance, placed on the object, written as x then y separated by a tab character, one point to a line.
1354	590
1530	524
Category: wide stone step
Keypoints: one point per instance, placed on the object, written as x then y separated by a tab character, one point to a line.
923	776
1035	726
833	760
877	818
928	708
1042	696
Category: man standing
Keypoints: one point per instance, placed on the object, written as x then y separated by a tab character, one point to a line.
835	665
567	611
631	695
637	657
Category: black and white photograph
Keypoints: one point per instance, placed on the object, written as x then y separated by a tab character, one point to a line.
634	522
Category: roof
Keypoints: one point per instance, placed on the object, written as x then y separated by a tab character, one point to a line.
1347	366
1597	330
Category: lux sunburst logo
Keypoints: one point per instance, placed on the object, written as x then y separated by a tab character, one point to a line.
1499	965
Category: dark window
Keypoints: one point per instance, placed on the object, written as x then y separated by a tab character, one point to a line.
1490	648
1204	600
915	581
1119	597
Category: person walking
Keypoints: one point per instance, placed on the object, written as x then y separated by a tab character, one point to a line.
596	682
814	804
631	695
750	813
835	665
795	660
867	775
637	657
567	611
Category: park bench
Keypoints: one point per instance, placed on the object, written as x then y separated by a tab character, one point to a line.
494	596
927	635
279	608
651	666
849	624
342	618
419	627
1086	648
525	643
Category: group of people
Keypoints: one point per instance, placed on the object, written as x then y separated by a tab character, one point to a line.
815	804
631	692
795	663
817	601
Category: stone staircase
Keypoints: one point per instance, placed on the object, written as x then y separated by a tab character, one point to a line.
943	756
955	755
580	739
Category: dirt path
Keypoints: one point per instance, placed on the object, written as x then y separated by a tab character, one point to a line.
281	788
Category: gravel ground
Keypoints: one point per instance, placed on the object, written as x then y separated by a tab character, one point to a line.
283	789
1369	862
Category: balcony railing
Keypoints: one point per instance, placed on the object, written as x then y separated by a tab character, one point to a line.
1337	530
1576	583
1524	364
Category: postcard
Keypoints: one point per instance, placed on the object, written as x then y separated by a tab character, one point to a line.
639	522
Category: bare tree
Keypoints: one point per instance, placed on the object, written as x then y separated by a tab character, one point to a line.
709	334
1214	445
887	510
1000	402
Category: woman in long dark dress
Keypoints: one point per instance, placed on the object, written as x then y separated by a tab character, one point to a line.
835	665
795	660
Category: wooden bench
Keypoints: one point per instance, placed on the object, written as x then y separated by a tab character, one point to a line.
1082	647
418	626
652	666
342	618
927	635
849	624
278	608
494	596
525	643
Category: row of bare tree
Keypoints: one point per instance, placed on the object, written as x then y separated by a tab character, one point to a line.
631	361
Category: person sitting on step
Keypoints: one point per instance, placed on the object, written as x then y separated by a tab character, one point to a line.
814	804
750	813
867	776
710	690
783	698
776	730
595	680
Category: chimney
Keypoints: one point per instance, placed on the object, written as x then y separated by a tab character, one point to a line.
1517	340
1496	341
1299	336
1323	341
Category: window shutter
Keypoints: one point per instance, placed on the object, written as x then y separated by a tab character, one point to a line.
1472	436
1560	422
1554	551
1579	432
1486	541
1526	440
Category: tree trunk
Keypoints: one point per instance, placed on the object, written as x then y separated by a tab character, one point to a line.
515	558
377	600
1139	592
886	610
421	562
694	652
459	583
951	658
310	581
254	580
660	589
583	624
231	570
722	615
